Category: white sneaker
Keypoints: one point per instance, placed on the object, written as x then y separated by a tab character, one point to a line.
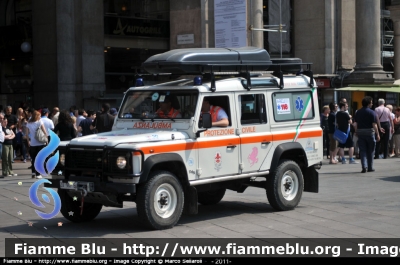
13	175
39	177
24	161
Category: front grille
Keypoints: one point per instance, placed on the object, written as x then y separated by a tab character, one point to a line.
85	159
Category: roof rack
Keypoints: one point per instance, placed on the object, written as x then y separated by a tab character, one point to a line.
207	61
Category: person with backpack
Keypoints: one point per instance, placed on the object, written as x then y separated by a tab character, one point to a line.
343	122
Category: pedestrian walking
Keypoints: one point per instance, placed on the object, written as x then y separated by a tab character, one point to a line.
365	124
12	121
81	116
54	115
8	151
34	145
396	134
325	128
48	124
391	138
333	144
343	122
386	127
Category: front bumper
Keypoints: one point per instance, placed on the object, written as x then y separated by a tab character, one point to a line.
99	186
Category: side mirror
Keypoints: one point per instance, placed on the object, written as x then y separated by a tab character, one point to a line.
207	122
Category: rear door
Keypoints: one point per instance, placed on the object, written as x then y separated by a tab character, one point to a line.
253	130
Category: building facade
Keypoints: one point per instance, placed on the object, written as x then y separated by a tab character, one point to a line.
83	53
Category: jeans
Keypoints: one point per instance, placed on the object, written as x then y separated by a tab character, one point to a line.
1	150
366	145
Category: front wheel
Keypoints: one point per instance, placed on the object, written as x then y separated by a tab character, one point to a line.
71	209
160	201
285	186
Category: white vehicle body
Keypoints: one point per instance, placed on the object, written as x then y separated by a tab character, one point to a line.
165	165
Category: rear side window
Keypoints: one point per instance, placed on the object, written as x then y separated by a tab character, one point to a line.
252	109
293	106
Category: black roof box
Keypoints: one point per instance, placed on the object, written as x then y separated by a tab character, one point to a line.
286	65
206	60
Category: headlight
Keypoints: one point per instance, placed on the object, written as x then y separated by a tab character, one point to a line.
121	162
62	159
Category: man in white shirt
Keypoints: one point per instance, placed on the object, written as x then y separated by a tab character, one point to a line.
48	124
81	116
55	114
385	122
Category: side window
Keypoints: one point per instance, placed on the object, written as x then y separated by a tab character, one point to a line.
293	106
253	109
219	108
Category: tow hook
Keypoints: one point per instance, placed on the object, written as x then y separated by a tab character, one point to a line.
83	195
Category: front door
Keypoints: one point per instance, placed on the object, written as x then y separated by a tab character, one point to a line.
219	146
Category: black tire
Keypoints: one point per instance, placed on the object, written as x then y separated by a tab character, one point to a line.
285	186
68	205
211	197
160	201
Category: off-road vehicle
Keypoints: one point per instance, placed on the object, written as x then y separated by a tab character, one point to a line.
168	163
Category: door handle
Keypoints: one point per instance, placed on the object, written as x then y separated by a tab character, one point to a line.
231	146
265	143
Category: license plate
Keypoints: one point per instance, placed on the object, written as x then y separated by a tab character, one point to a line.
77	185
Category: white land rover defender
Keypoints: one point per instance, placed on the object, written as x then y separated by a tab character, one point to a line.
169	159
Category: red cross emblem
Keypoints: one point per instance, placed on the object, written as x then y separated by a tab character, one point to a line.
218	158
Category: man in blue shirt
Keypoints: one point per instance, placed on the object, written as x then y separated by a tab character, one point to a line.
366	128
84	126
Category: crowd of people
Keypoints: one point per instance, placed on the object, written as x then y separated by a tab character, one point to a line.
17	137
371	134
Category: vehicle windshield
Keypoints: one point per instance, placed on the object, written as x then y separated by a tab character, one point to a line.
159	104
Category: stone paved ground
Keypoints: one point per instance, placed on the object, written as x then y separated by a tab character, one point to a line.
349	205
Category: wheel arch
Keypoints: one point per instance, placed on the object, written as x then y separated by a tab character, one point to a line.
168	161
291	151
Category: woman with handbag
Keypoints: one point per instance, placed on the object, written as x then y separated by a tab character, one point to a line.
34	145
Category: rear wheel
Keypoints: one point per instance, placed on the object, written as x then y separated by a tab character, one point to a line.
285	186
211	197
160	201
71	209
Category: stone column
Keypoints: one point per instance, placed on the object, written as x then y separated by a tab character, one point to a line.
368	69
368	42
256	19
395	16
68	57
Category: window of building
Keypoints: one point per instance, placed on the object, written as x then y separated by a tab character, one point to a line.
276	13
154	9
